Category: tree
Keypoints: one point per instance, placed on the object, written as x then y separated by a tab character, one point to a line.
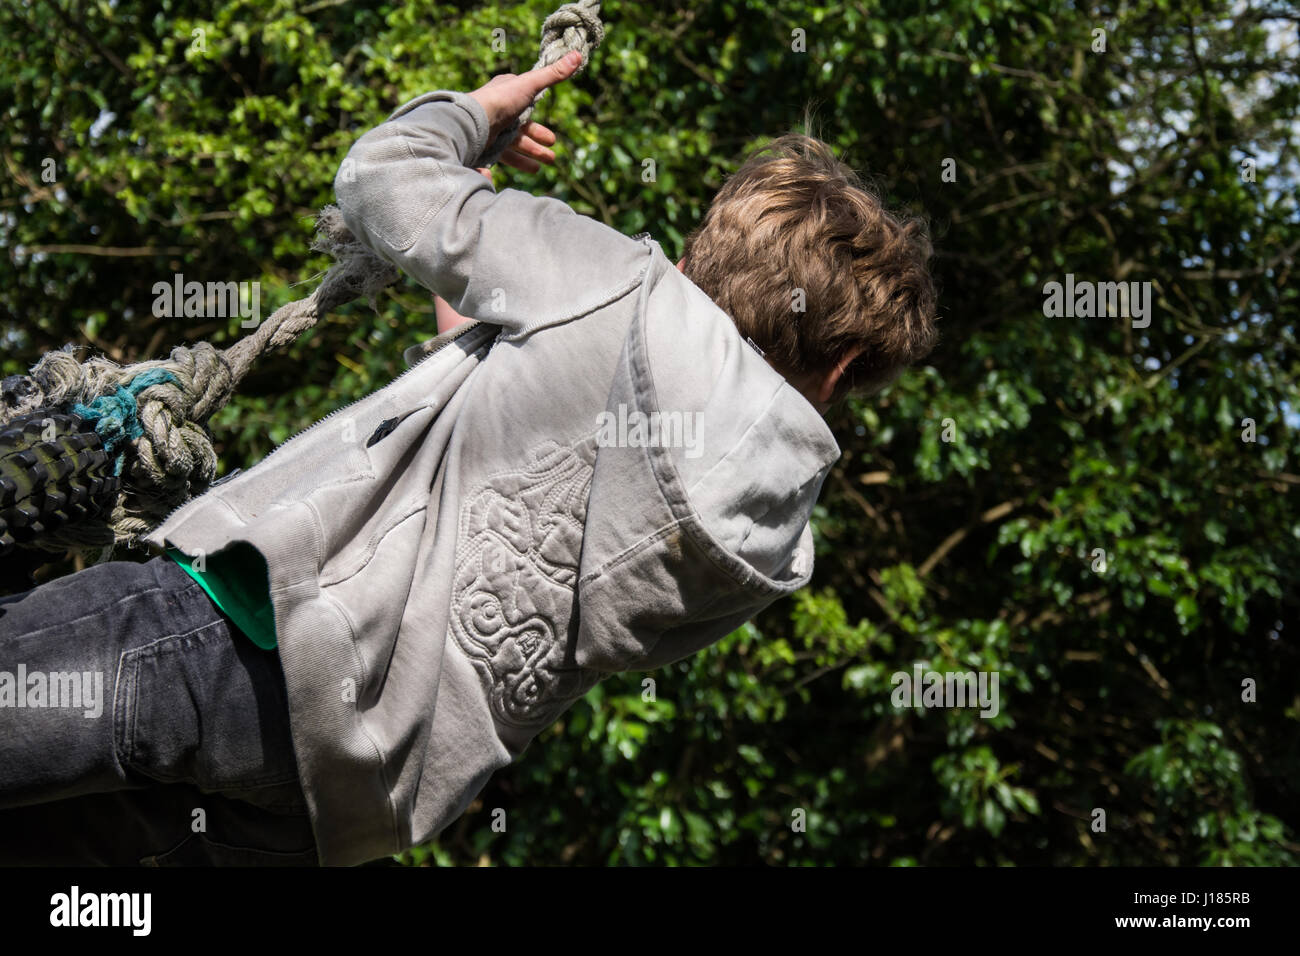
1097	508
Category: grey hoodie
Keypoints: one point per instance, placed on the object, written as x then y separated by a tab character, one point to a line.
598	475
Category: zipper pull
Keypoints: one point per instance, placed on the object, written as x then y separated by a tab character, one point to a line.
225	478
383	431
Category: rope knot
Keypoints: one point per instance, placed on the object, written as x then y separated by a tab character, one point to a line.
575	26
116	417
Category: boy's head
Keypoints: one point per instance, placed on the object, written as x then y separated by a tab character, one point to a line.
810	265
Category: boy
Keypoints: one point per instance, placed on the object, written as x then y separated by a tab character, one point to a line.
612	467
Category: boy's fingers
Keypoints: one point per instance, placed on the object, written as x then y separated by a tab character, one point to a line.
528	146
540	134
519	161
548	76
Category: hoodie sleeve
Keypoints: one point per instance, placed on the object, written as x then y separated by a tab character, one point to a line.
408	190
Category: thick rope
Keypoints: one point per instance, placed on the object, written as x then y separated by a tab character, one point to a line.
171	458
154	413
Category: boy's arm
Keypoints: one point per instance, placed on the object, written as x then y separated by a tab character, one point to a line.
448	318
409	191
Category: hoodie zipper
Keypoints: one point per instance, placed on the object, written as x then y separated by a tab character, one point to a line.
452	337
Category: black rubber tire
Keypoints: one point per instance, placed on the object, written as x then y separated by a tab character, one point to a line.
47	484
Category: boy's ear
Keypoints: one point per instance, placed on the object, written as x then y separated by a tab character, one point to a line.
828	384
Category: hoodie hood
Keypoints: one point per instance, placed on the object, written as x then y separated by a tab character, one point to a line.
703	501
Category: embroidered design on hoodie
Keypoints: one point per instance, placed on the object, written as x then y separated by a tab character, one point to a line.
517	552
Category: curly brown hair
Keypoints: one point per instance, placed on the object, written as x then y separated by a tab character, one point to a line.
810	265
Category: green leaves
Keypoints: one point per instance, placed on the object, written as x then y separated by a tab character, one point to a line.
978	791
1067	502
1196	778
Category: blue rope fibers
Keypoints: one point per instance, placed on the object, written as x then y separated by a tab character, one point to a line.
116	416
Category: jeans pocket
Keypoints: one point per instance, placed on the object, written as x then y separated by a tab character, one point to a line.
198	850
206	707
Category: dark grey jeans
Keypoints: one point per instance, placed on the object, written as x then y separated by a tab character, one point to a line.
138	727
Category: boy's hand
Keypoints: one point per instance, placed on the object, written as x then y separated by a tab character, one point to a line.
504	97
